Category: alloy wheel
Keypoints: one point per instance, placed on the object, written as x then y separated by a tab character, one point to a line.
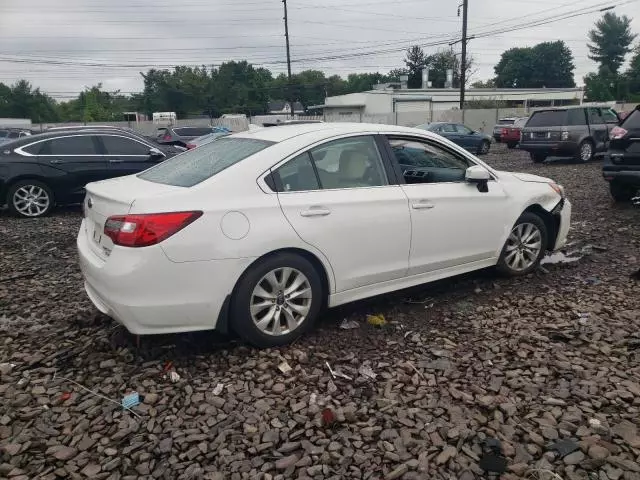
523	246
586	152
281	301
484	148
31	200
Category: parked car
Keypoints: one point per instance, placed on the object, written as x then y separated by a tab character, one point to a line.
510	135
497	128
621	167
473	141
41	171
210	137
182	135
577	131
10	134
256	232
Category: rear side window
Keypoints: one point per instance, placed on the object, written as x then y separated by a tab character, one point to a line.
77	145
191	131
576	117
548	118
117	145
199	164
632	120
298	175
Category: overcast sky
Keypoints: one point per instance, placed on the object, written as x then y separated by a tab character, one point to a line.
61	45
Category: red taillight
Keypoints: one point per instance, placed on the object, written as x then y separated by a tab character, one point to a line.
191	145
146	229
505	131
617	133
166	137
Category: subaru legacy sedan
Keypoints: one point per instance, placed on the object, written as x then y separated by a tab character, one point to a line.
258	231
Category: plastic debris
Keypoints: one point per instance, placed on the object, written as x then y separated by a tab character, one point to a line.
564	447
218	389
376	320
595	423
559	258
284	367
493	460
65	396
174	376
349	324
367	372
336	373
131	400
328	417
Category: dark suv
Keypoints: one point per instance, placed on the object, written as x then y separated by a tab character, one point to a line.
579	132
621	167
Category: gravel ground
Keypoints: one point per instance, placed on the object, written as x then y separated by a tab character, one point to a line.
530	361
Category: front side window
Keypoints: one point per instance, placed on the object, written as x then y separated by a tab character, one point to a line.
462	130
609	116
199	164
349	163
423	162
76	145
448	128
576	117
594	116
117	145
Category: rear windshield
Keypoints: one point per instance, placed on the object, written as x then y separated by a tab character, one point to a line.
632	120
548	118
199	164
191	131
506	121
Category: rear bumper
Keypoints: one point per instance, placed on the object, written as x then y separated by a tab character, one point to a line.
149	294
563	213
630	177
550	147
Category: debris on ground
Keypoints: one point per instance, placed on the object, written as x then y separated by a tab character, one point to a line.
337	373
284	367
131	400
349	324
376	320
367	372
219	388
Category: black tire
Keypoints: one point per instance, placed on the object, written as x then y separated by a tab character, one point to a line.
579	154
621	192
241	318
511	145
29	183
484	147
526	218
538	157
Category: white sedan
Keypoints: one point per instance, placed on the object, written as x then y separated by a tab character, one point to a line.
259	231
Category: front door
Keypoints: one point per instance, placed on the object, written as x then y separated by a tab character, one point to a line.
598	128
452	222
71	161
338	198
125	155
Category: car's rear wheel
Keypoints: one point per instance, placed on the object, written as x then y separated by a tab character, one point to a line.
30	198
484	147
276	300
585	151
525	246
538	157
621	192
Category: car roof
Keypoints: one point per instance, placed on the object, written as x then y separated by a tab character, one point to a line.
286	132
84	131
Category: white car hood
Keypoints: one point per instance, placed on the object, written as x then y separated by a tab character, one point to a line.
527	177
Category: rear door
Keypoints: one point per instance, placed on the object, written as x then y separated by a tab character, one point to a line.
597	128
126	155
72	161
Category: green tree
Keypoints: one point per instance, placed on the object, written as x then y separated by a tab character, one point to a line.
633	76
611	41
442	61
23	101
548	64
415	61
484	84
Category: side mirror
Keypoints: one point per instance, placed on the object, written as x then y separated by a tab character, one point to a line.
155	154
477	174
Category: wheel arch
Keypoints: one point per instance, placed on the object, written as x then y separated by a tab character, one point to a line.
550	221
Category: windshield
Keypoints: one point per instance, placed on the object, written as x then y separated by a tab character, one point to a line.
548	118
199	164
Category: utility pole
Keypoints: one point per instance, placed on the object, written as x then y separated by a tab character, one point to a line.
286	36
463	62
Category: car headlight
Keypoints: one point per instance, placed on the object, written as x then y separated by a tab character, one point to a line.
559	189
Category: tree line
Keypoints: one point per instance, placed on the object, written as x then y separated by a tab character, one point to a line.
240	87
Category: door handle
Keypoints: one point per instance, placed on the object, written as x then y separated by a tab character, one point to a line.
55	161
315	212
115	160
422	205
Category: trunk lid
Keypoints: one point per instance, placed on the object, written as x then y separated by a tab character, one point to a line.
114	197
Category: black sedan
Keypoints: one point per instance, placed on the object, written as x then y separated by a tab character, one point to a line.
41	171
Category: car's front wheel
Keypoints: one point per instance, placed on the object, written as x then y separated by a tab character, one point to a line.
525	246
276	300
621	192
484	147
30	198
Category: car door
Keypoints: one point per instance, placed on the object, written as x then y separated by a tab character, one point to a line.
72	161
126	155
453	222
467	138
341	198
598	128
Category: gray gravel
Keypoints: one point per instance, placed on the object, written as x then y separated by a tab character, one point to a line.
530	361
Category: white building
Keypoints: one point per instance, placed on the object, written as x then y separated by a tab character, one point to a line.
388	99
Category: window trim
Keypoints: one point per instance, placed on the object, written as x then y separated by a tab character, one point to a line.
99	146
428	141
104	149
